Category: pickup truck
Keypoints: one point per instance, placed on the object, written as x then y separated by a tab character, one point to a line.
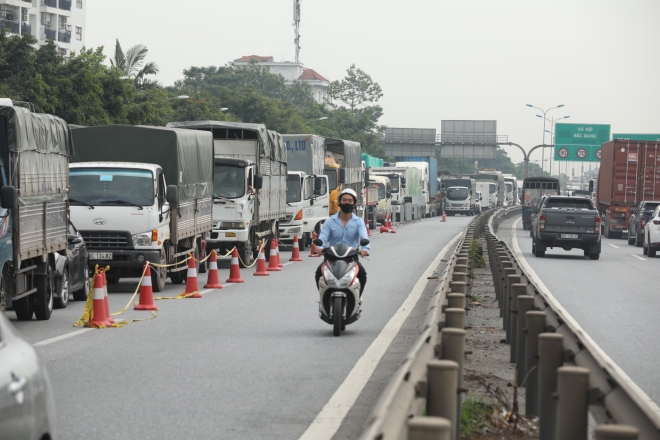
567	223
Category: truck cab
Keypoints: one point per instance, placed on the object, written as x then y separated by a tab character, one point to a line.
457	200
384	207
308	203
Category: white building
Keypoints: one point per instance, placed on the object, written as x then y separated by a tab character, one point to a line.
291	72
60	20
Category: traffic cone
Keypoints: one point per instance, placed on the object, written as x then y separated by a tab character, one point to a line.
312	252
99	315
279	260
366	224
213	279
192	289
295	252
235	269
273	264
261	265
146	293
383	226
106	299
444	216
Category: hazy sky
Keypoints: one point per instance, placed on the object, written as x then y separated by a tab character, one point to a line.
434	59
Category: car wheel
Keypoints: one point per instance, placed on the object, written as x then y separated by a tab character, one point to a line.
81	294
594	256
645	250
652	252
63	300
537	251
631	238
639	241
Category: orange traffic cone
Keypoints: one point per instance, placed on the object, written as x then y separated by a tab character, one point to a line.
383	226
213	280
235	269
99	315
279	260
273	264
106	299
261	265
367	225
146	293
192	289
295	252
444	216
312	252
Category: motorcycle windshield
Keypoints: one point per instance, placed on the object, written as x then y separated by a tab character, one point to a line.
339	267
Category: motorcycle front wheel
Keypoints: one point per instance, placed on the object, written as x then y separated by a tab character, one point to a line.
336	316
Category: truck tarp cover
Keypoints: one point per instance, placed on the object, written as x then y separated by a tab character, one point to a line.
42	144
271	143
186	156
352	152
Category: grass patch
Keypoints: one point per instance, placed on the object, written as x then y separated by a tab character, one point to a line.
475	415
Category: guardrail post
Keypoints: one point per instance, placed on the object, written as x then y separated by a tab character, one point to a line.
504	264
517	290
535	325
453	349
616	432
458	287
442	391
456	301
462	261
429	428
525	304
550	359
504	305
573	403
511	279
455	318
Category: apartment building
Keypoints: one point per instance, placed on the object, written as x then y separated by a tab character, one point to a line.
62	21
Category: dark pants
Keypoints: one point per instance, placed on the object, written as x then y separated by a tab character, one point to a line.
362	275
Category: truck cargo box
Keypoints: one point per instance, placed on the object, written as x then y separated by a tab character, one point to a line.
351	160
305	152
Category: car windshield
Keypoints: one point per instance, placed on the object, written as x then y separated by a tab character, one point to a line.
96	186
292	189
229	181
457	193
649	207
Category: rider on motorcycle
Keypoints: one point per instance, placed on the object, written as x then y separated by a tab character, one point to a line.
346	228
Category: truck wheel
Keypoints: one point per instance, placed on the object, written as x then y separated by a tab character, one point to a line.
247	256
631	239
43	300
24	308
159	274
202	267
607	233
594	256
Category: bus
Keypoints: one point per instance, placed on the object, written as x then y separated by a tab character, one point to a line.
533	189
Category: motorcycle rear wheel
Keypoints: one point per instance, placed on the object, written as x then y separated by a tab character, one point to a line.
336	316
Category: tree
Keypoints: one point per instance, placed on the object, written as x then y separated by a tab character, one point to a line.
132	64
356	89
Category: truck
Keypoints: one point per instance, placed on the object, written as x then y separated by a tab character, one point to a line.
371	161
628	175
429	167
384	206
488	192
460	195
511	185
307	194
343	166
154	206
248	211
567	223
533	189
492	175
34	163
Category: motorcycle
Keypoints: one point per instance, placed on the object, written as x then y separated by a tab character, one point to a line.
339	288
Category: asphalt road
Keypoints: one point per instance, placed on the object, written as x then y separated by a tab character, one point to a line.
249	361
615	299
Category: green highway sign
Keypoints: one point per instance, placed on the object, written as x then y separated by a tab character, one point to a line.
637	137
580	142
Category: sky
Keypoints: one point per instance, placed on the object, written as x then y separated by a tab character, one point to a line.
434	59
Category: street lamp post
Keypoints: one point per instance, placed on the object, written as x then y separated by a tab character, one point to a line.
553	121
544	118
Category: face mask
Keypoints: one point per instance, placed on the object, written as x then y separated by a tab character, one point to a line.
346	208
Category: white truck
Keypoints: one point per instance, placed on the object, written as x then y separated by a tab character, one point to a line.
423	167
307	193
408	202
249	197
489	194
496	177
384	206
154	206
511	185
460	195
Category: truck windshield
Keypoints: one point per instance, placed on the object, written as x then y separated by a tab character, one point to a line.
332	178
229	181
509	187
381	190
293	189
94	186
457	193
492	188
395	184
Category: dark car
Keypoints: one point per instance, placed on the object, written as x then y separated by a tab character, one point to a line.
72	272
640	216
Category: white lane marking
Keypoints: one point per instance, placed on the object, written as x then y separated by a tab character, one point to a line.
328	421
62	337
638	257
614	246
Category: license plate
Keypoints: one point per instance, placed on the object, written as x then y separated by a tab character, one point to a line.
569	236
100	255
230	234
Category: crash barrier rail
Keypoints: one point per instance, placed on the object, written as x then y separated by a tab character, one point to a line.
430	378
565	373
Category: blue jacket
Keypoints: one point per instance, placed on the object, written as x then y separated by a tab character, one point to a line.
334	232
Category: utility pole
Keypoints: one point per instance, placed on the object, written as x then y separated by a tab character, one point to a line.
296	25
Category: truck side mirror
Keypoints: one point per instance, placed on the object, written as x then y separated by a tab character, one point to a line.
388	195
342	175
318	186
403	185
403	180
8	197
366	178
258	181
591	186
172	194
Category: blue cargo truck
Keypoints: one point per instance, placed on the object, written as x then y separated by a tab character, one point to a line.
433	200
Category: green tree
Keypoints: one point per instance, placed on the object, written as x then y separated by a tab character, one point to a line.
356	89
132	64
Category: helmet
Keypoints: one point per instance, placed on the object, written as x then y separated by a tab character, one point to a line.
348	191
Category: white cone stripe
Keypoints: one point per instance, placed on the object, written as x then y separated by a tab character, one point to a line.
234	260
105	291
261	256
146	281
213	265
295	245
98	293
192	272
273	252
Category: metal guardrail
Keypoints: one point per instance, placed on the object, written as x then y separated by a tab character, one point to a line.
557	391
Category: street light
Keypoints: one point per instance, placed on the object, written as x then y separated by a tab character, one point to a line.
544	118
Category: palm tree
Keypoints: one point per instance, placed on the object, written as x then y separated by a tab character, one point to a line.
132	64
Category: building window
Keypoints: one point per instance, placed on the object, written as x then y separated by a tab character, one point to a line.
78	33
79	4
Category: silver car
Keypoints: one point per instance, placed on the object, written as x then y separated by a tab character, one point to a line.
26	398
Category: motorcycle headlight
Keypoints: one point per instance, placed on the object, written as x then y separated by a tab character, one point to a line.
341	283
330	279
142	240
